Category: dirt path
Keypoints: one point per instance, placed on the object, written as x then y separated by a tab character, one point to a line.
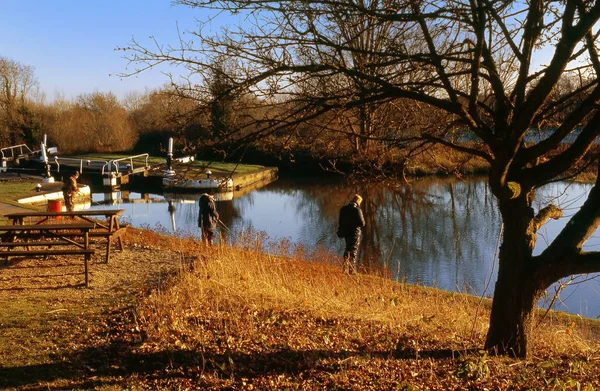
54	331
8	208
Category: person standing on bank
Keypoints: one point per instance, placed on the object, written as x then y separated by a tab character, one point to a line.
70	190
208	218
351	222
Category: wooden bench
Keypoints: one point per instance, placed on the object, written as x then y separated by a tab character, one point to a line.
72	239
110	229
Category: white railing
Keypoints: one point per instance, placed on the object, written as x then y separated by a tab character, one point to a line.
108	167
76	161
20	148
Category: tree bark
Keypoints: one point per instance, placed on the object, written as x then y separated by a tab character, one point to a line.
517	288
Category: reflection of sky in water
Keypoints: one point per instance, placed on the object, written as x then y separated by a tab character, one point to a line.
436	234
579	294
270	212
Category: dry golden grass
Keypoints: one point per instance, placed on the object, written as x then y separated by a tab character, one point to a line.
172	314
235	306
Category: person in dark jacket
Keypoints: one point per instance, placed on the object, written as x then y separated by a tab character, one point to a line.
351	222
208	218
70	190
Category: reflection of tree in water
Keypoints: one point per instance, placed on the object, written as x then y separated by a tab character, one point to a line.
434	231
316	204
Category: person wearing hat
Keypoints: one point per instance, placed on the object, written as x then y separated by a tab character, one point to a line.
351	222
70	190
207	218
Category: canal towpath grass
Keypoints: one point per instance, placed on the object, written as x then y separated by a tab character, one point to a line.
170	314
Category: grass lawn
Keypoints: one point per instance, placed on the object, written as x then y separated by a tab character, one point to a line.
217	168
171	314
11	191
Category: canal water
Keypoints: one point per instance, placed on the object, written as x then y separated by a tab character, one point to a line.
435	232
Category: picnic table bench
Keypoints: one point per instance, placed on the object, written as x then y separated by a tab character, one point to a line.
42	240
109	229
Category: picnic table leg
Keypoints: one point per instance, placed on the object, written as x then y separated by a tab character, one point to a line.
118	227
85	266
113	226
110	231
86	245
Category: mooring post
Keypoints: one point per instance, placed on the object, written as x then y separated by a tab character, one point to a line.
169	171
47	177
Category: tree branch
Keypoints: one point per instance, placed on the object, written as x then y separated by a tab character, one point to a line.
545	214
575	152
457	147
580	227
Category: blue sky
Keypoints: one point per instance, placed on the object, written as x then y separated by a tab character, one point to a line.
70	43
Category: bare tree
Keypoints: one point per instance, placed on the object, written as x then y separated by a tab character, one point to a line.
164	113
472	60
95	122
17	83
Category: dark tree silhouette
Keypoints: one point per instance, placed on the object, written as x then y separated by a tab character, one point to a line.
476	62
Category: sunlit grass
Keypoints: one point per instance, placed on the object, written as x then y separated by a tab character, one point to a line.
267	315
248	283
215	166
11	191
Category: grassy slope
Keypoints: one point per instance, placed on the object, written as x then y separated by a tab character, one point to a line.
216	167
247	318
11	191
239	318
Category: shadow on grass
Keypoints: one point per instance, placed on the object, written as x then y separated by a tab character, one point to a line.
107	364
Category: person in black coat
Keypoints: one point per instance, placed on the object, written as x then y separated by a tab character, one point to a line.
351	222
70	190
207	218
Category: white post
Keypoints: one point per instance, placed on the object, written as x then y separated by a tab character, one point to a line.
169	171
47	177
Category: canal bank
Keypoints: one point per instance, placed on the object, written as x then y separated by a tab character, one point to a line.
34	192
117	170
411	231
194	179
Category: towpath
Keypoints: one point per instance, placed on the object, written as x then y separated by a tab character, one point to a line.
6	177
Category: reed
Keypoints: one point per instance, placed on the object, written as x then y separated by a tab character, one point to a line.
235	304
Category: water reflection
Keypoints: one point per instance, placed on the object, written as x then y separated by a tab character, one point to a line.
442	233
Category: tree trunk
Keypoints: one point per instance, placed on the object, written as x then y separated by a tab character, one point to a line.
517	289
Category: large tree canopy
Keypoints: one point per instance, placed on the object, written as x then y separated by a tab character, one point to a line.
492	72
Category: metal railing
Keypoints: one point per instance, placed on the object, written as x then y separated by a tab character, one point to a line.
76	161
107	169
20	148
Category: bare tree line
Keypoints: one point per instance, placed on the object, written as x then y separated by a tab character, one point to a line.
394	77
383	81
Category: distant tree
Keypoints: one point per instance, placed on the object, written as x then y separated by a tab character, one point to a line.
94	122
105	120
31	126
220	90
165	113
472	61
17	84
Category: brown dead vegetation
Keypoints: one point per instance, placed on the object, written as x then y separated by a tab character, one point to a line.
171	314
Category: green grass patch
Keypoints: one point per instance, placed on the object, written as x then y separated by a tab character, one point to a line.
214	166
152	160
11	191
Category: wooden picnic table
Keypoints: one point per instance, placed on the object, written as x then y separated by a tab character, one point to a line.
43	240
111	229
